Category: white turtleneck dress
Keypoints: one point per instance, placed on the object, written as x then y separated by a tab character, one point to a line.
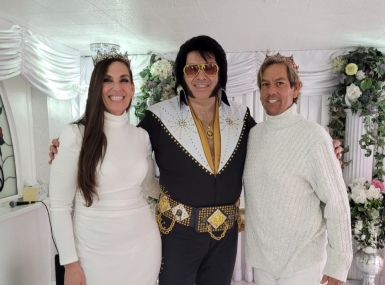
290	171
116	240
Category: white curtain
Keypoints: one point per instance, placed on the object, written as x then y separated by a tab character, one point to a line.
241	72
46	65
78	103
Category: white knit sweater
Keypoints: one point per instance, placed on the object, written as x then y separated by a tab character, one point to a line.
294	191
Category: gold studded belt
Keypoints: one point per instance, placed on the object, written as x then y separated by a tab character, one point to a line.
205	219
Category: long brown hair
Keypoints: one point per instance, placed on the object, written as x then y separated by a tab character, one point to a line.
94	142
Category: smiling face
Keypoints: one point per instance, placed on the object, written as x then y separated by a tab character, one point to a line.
276	93
200	86
118	89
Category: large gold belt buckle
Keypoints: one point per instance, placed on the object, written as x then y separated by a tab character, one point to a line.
217	219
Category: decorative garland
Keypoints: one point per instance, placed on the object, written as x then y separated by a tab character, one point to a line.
361	74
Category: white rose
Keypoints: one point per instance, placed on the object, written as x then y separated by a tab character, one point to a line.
363	237
353	92
357	182
358	195
360	75
373	193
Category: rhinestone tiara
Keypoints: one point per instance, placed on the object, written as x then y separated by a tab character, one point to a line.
113	53
288	59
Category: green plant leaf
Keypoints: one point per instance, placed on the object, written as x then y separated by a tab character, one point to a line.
366	84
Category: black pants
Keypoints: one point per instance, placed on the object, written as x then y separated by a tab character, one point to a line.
195	258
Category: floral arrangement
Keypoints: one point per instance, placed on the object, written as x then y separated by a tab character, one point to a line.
158	84
367	213
361	87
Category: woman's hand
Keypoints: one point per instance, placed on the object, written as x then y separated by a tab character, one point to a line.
74	274
53	149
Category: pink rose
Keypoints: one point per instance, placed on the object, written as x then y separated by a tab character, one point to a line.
378	184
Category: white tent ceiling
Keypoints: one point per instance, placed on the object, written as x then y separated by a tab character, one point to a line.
141	26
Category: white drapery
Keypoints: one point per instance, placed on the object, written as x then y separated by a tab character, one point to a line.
46	65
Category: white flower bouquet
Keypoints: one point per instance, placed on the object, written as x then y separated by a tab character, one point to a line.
161	68
367	213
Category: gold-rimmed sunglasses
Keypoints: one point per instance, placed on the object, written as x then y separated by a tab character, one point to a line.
210	69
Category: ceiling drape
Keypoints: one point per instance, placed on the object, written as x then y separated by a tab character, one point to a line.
48	66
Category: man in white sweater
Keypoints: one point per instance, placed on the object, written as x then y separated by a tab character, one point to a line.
296	194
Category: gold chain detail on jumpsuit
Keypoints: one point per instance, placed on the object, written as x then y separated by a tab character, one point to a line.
162	229
226	227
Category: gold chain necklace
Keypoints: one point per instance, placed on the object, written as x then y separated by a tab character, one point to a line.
209	130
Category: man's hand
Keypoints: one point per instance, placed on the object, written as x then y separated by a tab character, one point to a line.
53	149
338	150
330	281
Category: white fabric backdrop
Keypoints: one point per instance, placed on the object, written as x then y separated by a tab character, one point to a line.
46	65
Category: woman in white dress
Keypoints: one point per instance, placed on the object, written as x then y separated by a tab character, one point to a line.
104	164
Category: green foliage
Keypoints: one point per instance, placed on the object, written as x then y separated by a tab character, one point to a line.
369	99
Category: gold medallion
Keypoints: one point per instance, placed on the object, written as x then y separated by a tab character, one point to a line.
163	205
217	219
209	130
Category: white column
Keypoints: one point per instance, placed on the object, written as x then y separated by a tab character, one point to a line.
361	166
